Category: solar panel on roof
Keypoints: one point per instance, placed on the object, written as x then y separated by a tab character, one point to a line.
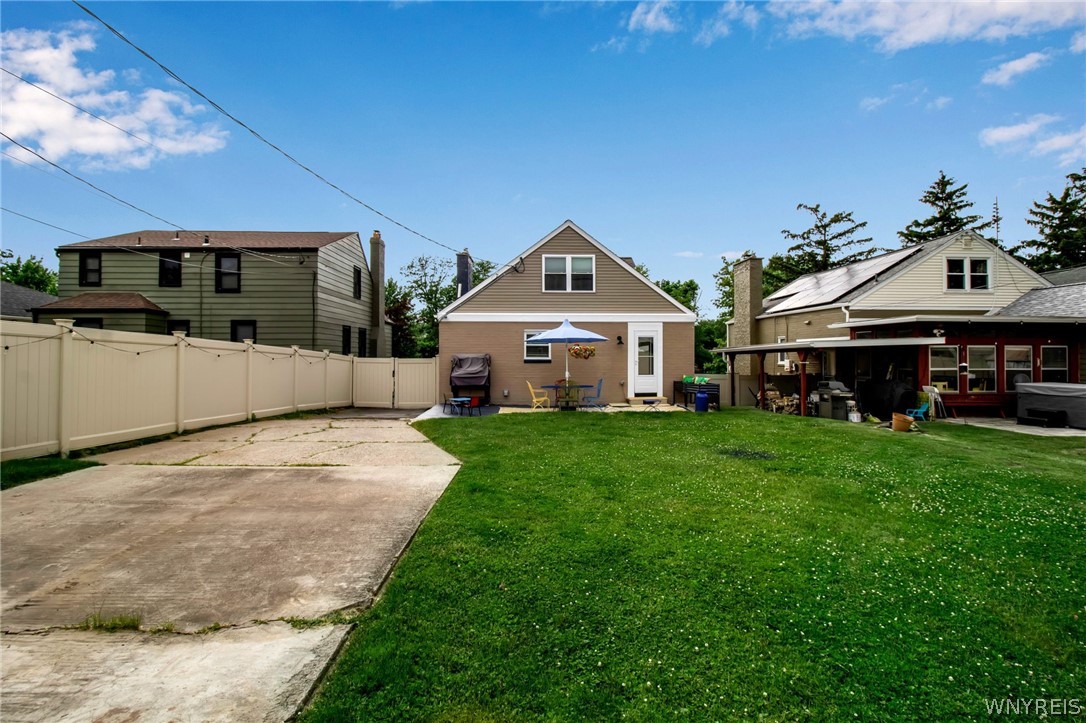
828	286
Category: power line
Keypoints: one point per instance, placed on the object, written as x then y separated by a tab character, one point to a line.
82	110
43	223
83	180
254	133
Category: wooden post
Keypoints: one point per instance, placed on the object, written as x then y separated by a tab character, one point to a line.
761	380
731	375
802	382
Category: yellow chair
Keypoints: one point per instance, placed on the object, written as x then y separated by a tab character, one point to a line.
538	400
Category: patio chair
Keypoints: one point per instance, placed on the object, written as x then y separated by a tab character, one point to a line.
593	400
937	401
920	412
538	400
475	405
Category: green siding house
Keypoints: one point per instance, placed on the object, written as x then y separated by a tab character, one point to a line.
312	289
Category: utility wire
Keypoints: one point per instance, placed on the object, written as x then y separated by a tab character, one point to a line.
43	223
254	133
83	180
82	110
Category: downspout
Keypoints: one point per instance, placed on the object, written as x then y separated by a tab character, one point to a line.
313	313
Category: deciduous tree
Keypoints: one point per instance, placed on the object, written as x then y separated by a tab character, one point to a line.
31	273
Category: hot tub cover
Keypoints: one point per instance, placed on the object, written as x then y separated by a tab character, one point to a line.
1052	389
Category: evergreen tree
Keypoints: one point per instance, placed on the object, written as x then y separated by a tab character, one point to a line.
822	246
1061	223
31	273
951	206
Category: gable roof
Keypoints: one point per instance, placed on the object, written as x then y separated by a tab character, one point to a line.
568	224
104	301
18	300
1068	300
855	281
152	239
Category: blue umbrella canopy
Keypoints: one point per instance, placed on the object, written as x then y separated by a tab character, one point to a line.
566	334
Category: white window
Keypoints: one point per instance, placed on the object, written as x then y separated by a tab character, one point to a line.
569	273
782	356
982	368
1053	364
944	368
968	274
535	352
1017	365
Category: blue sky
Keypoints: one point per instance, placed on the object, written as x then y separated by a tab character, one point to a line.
672	132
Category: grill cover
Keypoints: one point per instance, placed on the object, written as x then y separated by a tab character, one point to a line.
470	370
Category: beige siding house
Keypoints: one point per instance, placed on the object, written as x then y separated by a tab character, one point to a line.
957	313
570	275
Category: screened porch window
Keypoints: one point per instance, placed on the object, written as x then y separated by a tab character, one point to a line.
982	368
1053	364
1017	365
944	368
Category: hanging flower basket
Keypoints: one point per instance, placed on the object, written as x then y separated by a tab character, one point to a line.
582	351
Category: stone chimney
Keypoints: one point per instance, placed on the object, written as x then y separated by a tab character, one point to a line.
747	288
377	274
464	269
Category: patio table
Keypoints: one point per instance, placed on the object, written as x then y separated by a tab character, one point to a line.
572	387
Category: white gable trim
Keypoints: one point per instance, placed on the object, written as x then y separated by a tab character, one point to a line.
938	246
444	313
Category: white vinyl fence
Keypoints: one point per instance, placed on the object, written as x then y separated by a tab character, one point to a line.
67	388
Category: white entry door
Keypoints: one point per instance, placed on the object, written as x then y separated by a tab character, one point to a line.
646	356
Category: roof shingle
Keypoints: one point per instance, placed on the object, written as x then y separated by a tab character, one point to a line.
104	301
216	240
1068	300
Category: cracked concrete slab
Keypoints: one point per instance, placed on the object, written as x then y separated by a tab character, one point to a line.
260	673
391	454
188	547
367	433
193	546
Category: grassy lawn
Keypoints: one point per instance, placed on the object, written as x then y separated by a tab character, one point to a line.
729	566
17	472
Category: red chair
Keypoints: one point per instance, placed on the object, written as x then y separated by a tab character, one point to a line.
475	406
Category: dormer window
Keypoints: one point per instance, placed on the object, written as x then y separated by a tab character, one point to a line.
569	273
968	274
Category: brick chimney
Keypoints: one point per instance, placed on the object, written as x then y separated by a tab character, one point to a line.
377	274
464	269
747	288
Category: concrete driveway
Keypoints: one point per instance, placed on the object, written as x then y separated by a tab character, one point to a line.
212	541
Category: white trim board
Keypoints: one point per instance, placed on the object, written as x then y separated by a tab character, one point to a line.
537	318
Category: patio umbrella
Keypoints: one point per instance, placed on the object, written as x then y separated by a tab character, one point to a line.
566	334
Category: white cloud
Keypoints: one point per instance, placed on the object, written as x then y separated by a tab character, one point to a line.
653	17
720	25
1005	73
903	24
873	102
689	254
939	103
1004	135
1078	42
615	44
731	255
58	131
1033	136
1070	148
